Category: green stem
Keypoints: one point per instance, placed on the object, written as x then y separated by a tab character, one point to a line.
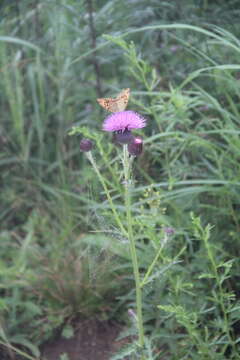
102	181
126	167
19	352
128	233
150	269
220	288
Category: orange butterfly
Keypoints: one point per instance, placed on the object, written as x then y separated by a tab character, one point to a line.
118	104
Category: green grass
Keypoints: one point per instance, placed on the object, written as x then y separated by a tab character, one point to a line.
184	77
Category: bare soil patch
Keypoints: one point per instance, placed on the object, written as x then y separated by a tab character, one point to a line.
93	339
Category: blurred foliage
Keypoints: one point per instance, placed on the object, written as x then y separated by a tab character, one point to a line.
54	63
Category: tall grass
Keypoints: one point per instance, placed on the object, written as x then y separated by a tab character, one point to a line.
184	79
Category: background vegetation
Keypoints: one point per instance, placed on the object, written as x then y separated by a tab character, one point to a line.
183	69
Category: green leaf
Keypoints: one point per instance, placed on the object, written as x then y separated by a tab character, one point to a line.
21	340
19	42
68	332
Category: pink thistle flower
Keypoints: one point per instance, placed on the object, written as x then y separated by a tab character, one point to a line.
123	120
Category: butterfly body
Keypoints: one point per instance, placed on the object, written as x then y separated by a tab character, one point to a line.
117	104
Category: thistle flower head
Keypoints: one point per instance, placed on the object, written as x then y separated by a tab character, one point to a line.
124	120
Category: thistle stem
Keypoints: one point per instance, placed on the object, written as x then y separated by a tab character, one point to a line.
127	198
127	232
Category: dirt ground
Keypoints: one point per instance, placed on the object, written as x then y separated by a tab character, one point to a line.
92	340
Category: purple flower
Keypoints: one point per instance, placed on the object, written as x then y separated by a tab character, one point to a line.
124	120
174	48
169	230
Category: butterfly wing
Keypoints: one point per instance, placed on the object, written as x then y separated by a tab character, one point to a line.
108	104
115	105
122	99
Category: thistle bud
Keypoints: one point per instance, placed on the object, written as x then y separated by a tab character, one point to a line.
169	230
135	147
86	145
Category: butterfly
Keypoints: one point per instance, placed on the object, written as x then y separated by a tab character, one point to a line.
118	104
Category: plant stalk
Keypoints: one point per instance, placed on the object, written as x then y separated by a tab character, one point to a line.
127	198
